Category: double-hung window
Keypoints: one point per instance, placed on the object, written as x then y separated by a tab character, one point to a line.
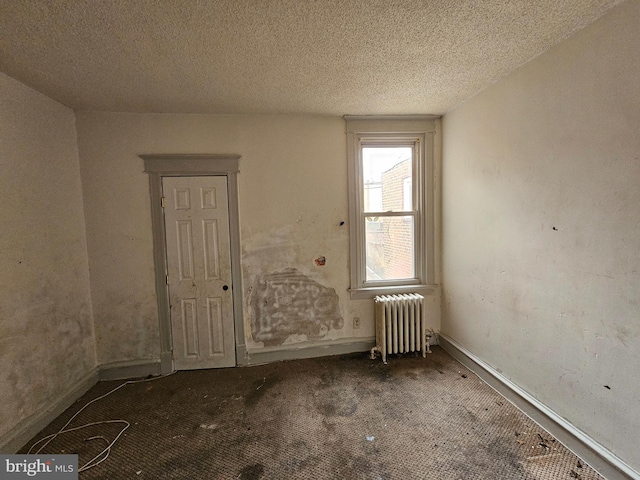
390	204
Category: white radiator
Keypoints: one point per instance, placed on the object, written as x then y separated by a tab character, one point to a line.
400	325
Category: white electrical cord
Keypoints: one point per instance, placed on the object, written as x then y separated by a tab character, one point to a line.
104	454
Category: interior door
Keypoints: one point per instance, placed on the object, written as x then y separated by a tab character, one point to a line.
199	271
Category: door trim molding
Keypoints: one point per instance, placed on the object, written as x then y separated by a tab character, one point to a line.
158	166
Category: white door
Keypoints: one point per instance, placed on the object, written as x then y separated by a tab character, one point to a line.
196	216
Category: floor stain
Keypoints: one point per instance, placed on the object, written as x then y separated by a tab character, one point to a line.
261	387
344	417
251	472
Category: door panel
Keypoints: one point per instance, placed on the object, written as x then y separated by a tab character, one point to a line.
199	266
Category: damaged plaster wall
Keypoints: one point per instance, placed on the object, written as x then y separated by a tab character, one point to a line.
293	210
287	304
46	333
541	203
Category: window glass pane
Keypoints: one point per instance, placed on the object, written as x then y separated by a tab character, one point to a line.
389	248
407	191
384	170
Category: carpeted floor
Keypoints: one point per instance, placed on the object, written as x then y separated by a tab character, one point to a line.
344	417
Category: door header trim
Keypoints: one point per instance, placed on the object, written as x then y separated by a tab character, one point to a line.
190	164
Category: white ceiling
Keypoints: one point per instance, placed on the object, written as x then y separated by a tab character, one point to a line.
330	57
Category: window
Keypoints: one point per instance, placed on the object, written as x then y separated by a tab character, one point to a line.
390	202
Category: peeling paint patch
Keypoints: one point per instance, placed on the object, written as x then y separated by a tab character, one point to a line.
289	303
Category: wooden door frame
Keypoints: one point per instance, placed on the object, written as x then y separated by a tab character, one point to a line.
179	165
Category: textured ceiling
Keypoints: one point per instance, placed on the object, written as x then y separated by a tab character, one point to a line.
328	57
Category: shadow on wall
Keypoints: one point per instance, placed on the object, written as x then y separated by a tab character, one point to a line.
289	303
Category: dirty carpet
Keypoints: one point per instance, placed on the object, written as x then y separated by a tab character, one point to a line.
343	417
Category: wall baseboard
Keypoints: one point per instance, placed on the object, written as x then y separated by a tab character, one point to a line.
306	350
28	427
129	369
598	457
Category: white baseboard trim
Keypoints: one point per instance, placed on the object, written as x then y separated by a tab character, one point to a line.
129	369
598	457
22	432
297	351
28	427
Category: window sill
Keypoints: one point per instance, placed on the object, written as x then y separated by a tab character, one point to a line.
371	292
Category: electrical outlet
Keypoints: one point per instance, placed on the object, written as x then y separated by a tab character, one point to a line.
356	322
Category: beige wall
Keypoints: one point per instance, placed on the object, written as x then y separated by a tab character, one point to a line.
46	333
541	214
293	197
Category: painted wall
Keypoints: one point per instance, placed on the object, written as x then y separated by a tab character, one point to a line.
293	198
46	334
541	229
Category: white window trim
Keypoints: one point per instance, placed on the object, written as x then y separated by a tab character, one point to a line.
417	130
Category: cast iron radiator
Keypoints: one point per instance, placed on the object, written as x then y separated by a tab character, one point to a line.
400	325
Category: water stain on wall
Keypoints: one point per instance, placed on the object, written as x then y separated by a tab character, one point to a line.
289	303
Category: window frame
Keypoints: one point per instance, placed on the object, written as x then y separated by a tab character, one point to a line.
418	132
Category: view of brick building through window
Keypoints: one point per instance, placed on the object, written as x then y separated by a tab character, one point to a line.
388	188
